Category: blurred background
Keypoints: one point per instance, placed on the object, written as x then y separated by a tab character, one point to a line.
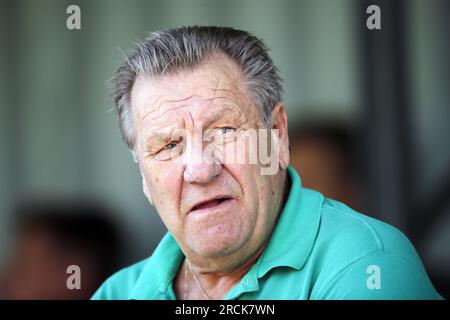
368	112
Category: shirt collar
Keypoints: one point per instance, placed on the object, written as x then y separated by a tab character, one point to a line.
295	232
289	245
156	278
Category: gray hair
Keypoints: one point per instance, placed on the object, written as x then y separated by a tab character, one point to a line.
185	48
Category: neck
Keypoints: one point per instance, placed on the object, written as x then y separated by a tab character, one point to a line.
218	284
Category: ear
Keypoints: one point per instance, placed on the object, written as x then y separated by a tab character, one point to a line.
279	121
146	190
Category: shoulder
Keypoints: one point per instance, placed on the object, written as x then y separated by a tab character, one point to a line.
120	284
353	249
345	227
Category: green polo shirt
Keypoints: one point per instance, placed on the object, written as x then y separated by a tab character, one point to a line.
319	249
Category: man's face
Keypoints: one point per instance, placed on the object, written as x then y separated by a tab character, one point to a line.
214	207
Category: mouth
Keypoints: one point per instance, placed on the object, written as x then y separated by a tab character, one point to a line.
211	204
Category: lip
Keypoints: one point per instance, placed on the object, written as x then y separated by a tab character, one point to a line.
225	200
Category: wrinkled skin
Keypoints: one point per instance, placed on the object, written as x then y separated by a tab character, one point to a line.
213	99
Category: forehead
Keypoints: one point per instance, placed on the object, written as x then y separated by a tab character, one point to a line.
216	84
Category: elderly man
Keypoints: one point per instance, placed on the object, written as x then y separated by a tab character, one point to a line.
239	228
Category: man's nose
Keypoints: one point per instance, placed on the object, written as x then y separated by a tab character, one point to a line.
200	167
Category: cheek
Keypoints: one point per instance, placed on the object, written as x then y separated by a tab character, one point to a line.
164	182
259	198
264	193
249	181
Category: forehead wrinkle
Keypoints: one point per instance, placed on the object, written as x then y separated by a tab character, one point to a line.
235	94
211	104
165	106
219	90
228	89
158	131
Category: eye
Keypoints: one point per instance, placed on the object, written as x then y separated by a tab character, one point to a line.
224	130
170	145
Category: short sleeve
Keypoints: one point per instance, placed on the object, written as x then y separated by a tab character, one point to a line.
380	276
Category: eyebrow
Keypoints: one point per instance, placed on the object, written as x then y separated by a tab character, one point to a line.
166	133
157	136
214	115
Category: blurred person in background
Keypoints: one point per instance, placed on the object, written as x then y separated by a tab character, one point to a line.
52	236
324	153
